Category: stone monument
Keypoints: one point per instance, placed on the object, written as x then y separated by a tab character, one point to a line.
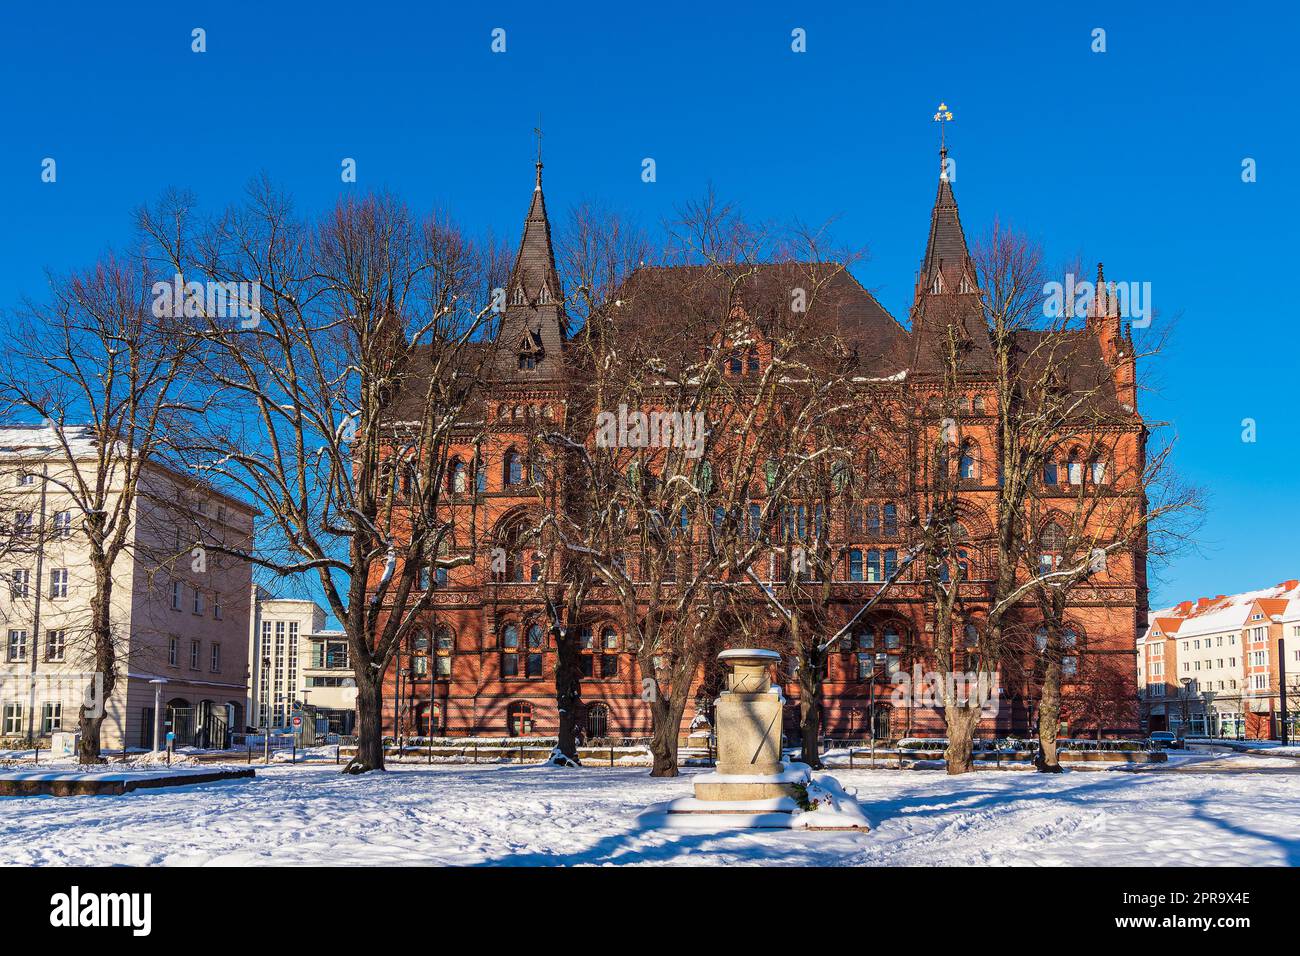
752	786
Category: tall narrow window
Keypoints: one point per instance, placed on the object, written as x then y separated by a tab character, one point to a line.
55	644
891	520
17	646
59	583
510	651
855	565
512	469
873	566
459	477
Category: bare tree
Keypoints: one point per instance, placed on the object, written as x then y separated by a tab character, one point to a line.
104	375
340	403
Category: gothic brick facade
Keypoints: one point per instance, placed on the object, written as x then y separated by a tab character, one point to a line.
485	667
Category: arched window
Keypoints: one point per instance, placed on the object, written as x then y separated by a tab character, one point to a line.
969	462
706	477
1051	544
536	645
445	646
736	364
873	566
457	477
519	719
1050	475
480	476
970	636
752	361
1097	470
512	469
891	520
420	655
891	562
1075	468
522	658
597	720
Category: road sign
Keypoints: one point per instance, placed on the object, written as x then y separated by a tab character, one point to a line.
297	722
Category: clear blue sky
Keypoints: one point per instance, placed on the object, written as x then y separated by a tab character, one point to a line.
1132	156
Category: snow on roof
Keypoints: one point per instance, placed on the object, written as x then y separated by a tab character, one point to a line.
31	441
1230	618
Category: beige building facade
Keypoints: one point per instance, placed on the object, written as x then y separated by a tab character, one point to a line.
179	608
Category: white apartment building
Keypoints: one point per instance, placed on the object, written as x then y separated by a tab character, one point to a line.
294	660
179	610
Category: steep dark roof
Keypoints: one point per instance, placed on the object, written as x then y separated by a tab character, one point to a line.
534	317
698	293
934	313
946	246
1075	359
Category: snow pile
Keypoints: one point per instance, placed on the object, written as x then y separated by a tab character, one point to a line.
829	807
158	758
558	758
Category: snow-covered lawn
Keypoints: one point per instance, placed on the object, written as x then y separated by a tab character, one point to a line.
532	814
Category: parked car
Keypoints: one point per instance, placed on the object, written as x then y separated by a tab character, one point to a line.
1164	740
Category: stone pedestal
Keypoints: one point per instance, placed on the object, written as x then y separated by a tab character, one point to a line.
752	787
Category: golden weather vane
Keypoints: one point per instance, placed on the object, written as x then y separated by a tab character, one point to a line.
943	116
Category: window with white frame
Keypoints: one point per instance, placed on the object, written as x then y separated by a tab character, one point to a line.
63	525
20	583
56	643
13	719
216	658
174	651
59	583
195	647
23	524
216	606
51	716
1259	682
26	479
198	601
178	595
17	648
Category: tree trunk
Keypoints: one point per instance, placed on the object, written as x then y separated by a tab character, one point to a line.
105	658
370	722
568	695
1049	720
663	737
961	719
810	716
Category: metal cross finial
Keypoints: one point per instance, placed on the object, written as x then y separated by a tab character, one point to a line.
943	116
537	130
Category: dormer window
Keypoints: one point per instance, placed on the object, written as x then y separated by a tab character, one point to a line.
936	286
544	296
965	285
530	352
518	297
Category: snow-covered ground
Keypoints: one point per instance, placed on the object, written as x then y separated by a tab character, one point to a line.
533	814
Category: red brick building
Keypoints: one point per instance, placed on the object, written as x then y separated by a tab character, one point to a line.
485	665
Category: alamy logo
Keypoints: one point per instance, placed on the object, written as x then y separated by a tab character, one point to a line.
933	689
624	429
211	300
1075	298
76	909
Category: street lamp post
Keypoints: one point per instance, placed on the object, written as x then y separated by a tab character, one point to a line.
157	713
877	662
1187	683
1281	685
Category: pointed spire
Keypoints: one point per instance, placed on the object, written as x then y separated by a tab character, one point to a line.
534	327
945	249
